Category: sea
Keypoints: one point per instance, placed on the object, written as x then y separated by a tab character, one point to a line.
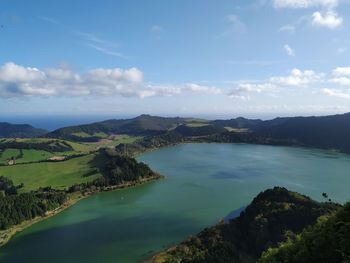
53	122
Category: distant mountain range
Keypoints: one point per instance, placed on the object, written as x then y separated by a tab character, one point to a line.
8	130
329	132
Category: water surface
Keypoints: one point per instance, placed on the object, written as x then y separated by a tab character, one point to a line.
204	183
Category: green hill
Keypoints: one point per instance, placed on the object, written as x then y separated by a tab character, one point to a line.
327	132
321	132
273	215
142	125
326	241
8	130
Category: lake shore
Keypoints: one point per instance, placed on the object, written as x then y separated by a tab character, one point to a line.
8	234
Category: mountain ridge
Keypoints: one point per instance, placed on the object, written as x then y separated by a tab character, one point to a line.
8	130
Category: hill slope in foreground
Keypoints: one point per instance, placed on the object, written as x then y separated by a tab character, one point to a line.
274	216
8	130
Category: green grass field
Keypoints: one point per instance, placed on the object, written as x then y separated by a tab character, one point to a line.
196	124
126	139
55	174
34	155
8	154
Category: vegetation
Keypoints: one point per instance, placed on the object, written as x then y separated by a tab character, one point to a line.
201	130
142	125
59	175
8	130
326	241
16	208
44	145
299	131
272	217
116	170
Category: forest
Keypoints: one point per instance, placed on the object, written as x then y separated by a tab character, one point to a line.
17	207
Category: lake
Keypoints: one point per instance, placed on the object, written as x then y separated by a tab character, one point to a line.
204	183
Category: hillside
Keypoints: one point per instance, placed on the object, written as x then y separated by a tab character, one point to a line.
8	130
272	216
141	125
321	132
326	241
327	132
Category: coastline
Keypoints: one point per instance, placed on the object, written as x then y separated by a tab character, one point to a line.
8	234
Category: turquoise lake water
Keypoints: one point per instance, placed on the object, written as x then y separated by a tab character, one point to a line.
204	183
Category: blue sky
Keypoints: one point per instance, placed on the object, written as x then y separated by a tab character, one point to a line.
185	57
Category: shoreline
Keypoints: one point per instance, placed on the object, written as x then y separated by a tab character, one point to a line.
8	234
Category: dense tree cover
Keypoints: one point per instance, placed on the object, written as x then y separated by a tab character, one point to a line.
273	215
205	130
116	170
18	207
326	241
49	146
239	123
7	187
8	130
320	132
150	142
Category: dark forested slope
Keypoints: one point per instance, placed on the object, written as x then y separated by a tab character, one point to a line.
8	130
273	215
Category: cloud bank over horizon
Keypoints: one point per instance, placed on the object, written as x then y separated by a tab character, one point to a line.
19	81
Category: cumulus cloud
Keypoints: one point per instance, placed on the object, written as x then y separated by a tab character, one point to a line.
243	90
304	3
343	94
290	51
298	78
330	19
341	71
341	76
337	80
17	81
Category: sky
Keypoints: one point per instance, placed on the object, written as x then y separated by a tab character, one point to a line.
224	58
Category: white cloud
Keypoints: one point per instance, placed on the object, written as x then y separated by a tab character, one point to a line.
290	51
243	89
330	19
304	3
337	93
195	88
343	81
341	76
341	71
106	51
101	45
287	28
298	78
17	81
